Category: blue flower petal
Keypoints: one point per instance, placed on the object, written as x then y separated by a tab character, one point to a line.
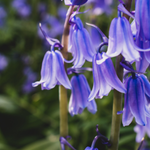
127	116
60	70
137	100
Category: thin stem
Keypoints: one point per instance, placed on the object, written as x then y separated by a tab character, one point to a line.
63	102
117	100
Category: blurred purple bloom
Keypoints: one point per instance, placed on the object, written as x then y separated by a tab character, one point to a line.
104	77
79	96
121	40
75	2
142	16
101	6
80	44
142	130
52	26
22	7
30	77
3	62
136	100
62	11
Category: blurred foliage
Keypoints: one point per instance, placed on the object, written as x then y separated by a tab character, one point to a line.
30	120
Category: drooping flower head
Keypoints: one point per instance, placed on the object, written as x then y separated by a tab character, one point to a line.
79	96
104	75
53	71
136	102
80	44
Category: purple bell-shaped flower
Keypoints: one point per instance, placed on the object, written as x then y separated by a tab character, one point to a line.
79	96
75	2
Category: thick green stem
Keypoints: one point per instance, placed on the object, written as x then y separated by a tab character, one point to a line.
63	102
117	100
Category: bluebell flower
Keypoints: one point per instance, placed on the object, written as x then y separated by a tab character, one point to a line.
21	6
53	72
30	77
75	2
80	44
142	16
141	131
136	102
79	96
104	76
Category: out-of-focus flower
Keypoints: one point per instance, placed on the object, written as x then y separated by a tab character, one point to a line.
52	26
75	2
100	6
104	77
142	17
79	96
53	71
3	15
136	99
81	45
22	7
3	62
30	77
141	131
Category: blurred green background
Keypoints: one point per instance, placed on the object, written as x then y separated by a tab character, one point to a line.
29	117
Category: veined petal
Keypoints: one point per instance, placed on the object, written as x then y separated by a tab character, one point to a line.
146	84
104	87
137	100
51	74
115	38
77	51
129	51
85	44
96	83
111	76
44	70
60	70
142	64
146	18
127	116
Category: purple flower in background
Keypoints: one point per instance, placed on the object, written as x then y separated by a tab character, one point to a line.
80	44
142	130
3	62
52	26
142	16
30	77
104	77
100	6
3	15
22	7
79	96
136	100
53	72
75	2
